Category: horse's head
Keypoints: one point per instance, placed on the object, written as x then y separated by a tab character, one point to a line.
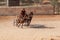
31	13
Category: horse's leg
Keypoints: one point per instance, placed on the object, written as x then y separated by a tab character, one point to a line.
22	25
15	23
28	23
18	25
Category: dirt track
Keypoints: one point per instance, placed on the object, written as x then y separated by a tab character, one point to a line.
41	27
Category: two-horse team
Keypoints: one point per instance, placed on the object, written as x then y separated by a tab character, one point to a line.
23	18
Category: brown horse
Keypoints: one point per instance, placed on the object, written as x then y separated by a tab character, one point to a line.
20	21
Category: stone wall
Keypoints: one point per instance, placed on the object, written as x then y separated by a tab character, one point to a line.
36	10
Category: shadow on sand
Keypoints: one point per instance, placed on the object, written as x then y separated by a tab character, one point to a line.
40	26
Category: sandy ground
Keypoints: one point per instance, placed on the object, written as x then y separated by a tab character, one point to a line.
42	27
